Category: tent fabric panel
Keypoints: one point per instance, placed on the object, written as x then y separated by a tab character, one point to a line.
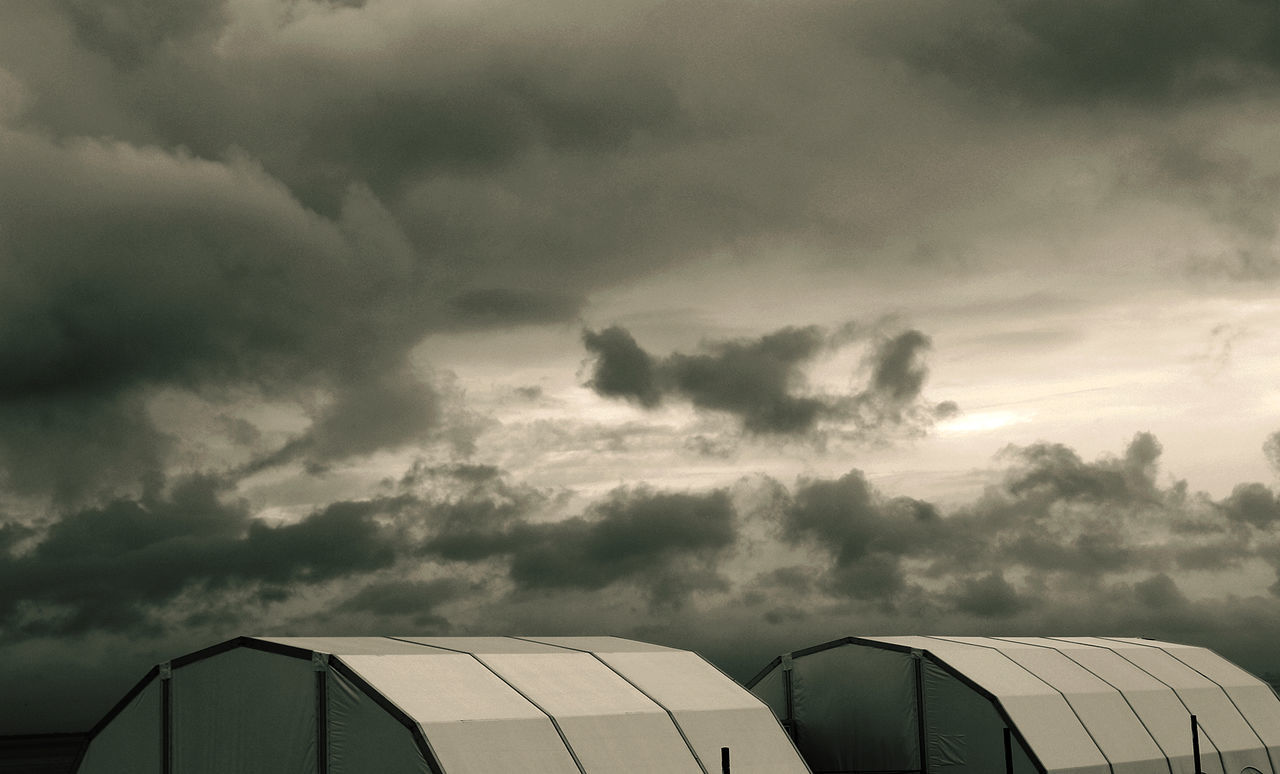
568	684
469	716
757	744
965	733
528	746
631	743
245	711
879	731
609	724
1108	719
1252	697
680	680
1040	713
604	644
343	646
1219	720
364	737
1156	704
131	741
480	645
450	687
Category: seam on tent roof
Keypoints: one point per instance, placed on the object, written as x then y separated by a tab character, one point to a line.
697	758
554	723
1225	692
1070	706
391	708
1167	760
1221	760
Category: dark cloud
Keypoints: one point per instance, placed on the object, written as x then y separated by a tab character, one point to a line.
1057	471
1272	449
1252	504
752	380
758	380
899	370
1159	592
385	410
128	31
117	566
416	600
1045	53
865	534
988	596
666	543
622	369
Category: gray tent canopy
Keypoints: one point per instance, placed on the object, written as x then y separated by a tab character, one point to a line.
438	705
1071	705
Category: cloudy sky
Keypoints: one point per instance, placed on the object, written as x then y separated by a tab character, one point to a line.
736	326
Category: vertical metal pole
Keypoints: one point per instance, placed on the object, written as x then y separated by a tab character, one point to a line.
1195	743
166	718
789	722
1008	752
724	760
320	663
922	736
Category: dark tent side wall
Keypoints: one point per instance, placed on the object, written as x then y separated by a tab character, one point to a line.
863	714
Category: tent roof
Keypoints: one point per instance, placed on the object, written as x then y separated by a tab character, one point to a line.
558	704
1101	703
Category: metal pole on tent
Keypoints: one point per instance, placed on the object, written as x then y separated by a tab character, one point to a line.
1195	743
724	760
1008	752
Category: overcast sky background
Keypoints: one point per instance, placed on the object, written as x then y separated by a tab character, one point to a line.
730	326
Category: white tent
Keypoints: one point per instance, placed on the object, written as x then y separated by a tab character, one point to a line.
438	705
1080	705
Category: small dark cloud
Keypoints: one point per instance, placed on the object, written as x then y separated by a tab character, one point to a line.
1159	593
865	534
899	370
1058	472
752	380
759	381
988	596
1253	504
622	369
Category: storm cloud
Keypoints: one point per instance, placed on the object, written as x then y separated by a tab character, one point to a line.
761	381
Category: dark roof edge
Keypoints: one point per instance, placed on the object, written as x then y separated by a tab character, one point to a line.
212	650
825	646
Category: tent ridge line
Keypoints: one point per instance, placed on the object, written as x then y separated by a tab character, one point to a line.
1084	726
1168	760
1225	693
1221	760
697	758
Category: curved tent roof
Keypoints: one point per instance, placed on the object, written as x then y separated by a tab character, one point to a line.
438	705
1089	705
